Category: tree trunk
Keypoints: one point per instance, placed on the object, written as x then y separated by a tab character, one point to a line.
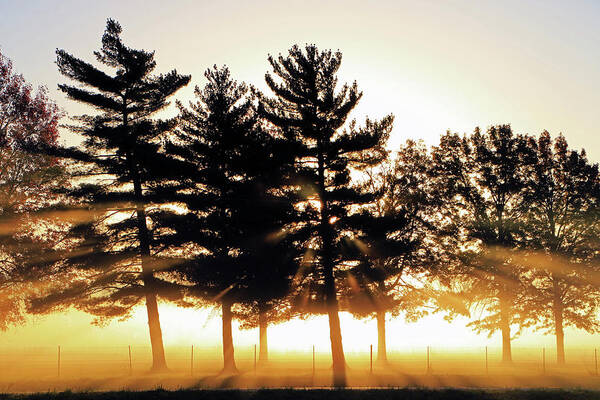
558	323
505	329
560	339
337	350
263	354
228	356
331	302
381	343
159	363
335	332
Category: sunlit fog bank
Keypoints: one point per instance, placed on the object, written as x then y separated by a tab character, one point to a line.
184	327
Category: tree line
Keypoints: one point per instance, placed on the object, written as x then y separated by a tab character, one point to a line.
277	205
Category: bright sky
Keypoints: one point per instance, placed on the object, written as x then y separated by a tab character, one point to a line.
436	65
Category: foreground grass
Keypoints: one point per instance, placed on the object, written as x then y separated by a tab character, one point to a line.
316	394
249	386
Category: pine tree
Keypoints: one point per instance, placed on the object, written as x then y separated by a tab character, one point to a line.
271	247
116	253
271	265
235	208
311	116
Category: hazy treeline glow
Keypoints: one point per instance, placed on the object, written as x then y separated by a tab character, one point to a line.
274	206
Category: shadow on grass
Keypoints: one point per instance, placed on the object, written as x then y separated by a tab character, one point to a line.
315	394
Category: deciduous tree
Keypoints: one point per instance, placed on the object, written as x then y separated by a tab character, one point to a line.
398	242
482	179
563	226
26	117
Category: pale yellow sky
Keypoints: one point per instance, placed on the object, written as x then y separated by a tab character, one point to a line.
436	65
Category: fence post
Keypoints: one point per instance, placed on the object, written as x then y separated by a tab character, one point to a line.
192	362
428	364
544	360
254	359
313	364
130	365
371	364
487	371
58	363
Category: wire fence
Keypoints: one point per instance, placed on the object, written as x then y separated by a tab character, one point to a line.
43	362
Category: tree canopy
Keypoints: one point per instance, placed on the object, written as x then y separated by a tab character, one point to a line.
311	113
115	251
483	179
278	205
26	181
562	227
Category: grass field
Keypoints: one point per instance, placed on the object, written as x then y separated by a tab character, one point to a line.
314	394
39	370
289	379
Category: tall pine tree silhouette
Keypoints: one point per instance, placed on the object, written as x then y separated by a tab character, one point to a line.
235	210
113	264
311	114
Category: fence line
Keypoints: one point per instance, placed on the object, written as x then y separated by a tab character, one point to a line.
69	361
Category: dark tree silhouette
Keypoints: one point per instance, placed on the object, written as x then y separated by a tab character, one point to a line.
236	210
398	241
271	251
311	114
483	179
115	252
563	227
272	267
26	180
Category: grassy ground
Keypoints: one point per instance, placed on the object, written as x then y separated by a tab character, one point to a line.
308	387
314	394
